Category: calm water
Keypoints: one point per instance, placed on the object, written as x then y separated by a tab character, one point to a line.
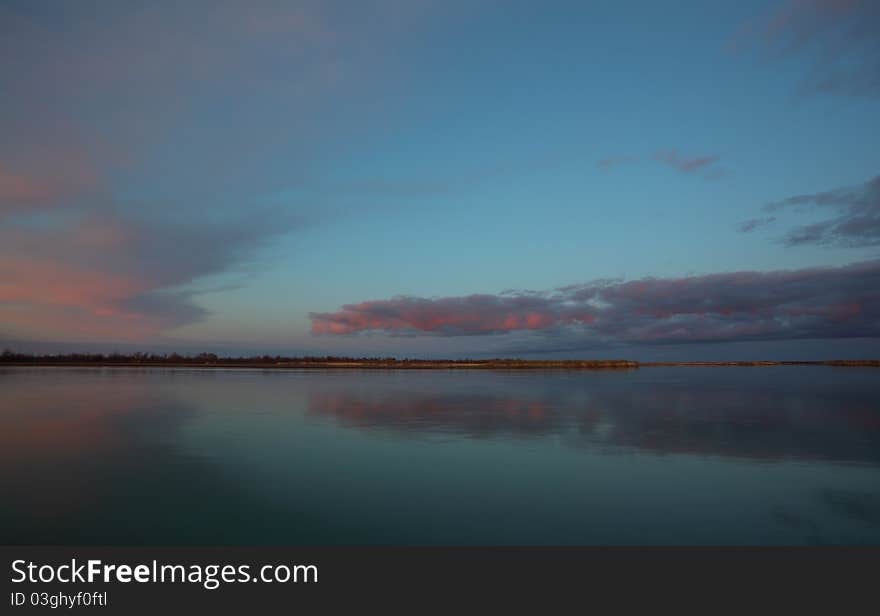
787	455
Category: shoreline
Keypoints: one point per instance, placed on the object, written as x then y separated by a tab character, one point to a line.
435	365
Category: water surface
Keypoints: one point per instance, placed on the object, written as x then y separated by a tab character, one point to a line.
756	456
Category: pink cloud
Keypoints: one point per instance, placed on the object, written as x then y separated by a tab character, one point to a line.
614	161
44	179
474	314
40	297
684	164
817	302
52	282
22	189
88	280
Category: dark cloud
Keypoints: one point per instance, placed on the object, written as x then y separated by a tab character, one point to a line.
750	225
839	38
827	302
855	221
169	307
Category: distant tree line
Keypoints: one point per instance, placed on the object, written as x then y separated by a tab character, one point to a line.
283	361
176	358
212	359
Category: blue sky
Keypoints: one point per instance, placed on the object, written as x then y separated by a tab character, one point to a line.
232	175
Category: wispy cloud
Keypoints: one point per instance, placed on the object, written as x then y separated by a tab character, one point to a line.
49	179
703	165
755	223
91	133
840	40
119	277
690	164
855	221
615	161
816	302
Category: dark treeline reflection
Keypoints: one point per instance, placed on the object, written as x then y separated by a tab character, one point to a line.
788	416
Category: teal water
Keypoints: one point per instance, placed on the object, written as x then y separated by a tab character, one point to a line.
755	456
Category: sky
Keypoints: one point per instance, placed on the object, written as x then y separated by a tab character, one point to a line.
689	180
